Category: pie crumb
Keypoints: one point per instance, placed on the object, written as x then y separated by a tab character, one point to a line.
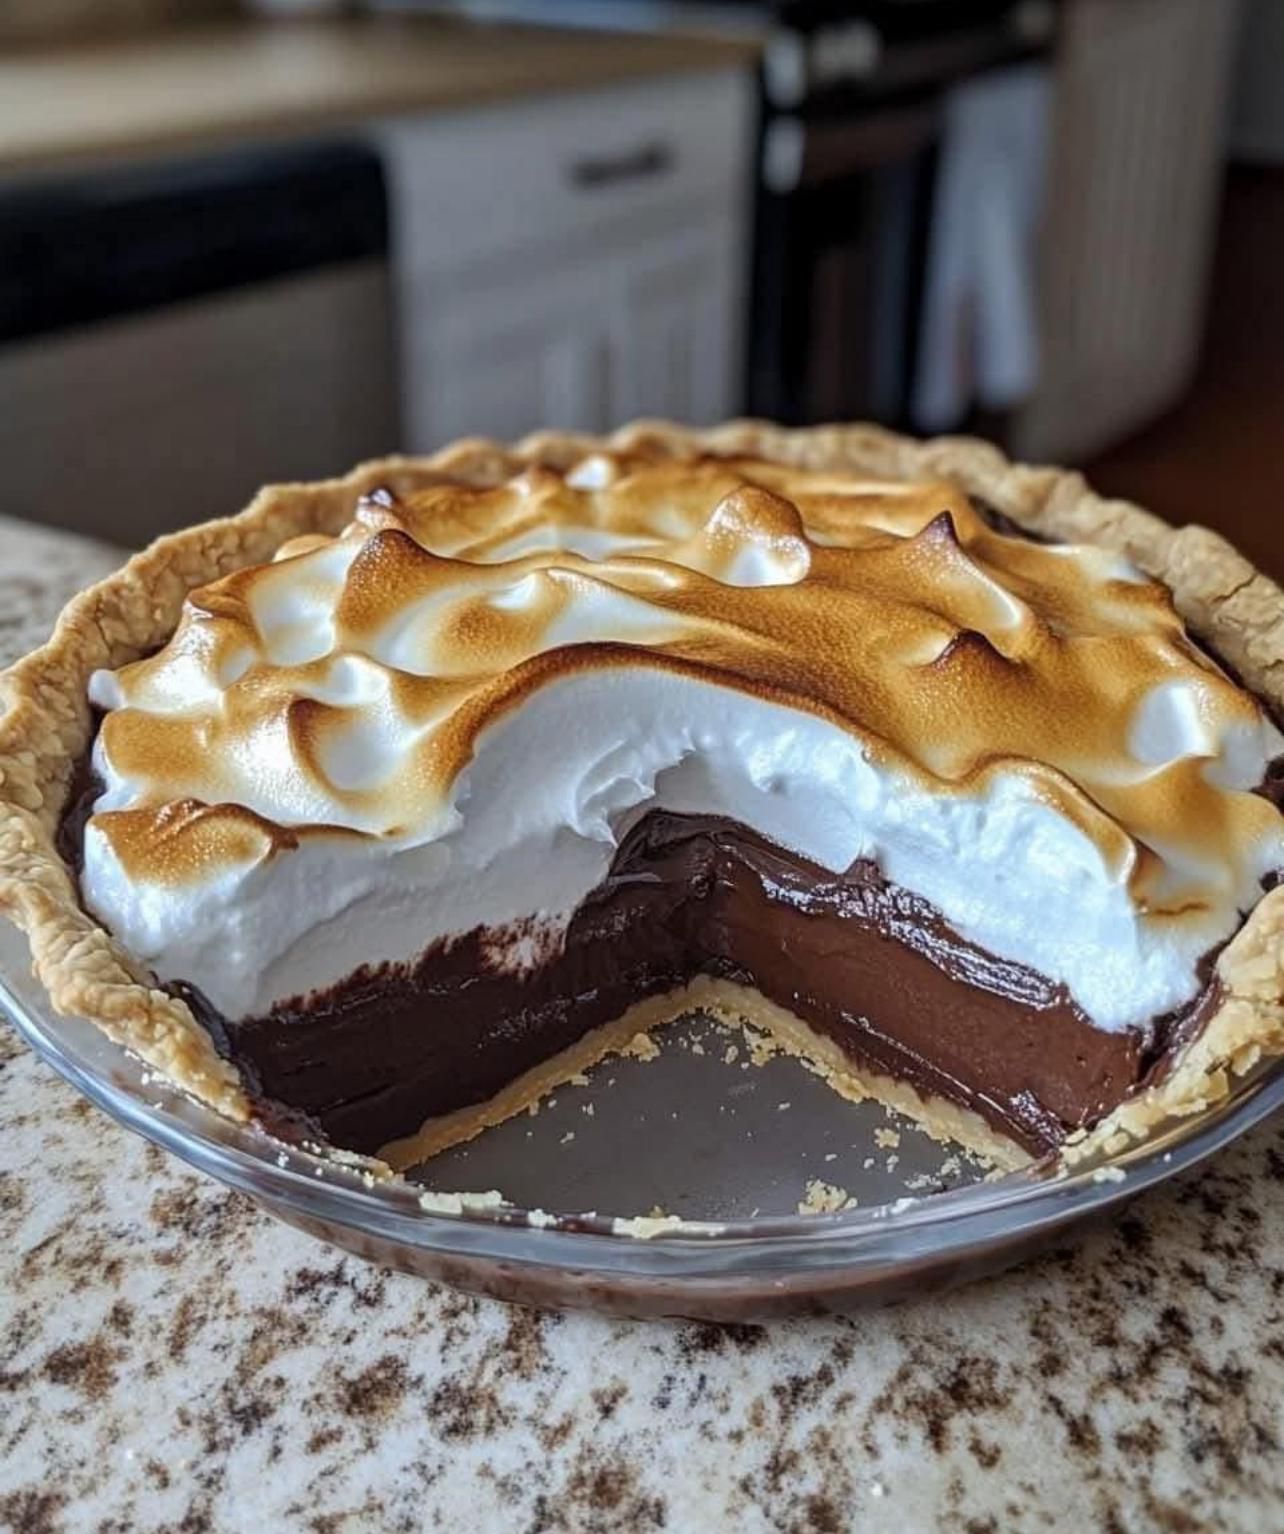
825	1198
642	1047
643	1227
762	1047
457	1203
887	1139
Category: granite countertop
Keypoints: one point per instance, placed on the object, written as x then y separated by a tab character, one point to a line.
245	80
173	1359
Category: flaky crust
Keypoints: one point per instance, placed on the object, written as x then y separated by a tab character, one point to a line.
46	726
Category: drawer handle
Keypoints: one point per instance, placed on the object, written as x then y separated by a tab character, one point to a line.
639	164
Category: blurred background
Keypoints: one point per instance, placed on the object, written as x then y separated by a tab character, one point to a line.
245	241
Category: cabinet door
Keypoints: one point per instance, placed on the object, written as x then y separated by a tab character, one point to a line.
673	329
580	346
503	361
1132	203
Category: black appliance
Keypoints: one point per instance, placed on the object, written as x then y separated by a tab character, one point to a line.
850	125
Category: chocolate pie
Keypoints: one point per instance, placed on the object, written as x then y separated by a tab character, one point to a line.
383	808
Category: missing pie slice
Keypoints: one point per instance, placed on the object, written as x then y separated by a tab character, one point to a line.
388	805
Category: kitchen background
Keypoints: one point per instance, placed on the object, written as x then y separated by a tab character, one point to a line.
236	247
242	243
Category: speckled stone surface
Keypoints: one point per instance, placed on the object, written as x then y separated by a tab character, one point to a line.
173	1359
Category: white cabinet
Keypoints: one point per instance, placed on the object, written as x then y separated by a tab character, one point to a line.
573	262
1132	203
677	328
500	361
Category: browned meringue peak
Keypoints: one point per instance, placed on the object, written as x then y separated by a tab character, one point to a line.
346	683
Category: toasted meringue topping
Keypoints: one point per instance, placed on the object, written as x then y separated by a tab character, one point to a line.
348	686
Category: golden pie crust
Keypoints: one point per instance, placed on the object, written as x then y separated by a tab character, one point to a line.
46	727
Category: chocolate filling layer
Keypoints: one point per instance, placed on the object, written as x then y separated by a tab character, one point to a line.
867	963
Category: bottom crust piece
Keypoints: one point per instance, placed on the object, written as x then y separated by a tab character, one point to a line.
728	1002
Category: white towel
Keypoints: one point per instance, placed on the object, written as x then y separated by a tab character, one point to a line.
978	337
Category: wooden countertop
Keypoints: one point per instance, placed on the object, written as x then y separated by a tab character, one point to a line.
210	86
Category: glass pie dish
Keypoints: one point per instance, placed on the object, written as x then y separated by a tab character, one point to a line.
741	1137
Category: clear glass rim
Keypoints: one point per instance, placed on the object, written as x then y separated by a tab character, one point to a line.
319	1190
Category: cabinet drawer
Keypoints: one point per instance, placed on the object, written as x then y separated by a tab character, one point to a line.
556	171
